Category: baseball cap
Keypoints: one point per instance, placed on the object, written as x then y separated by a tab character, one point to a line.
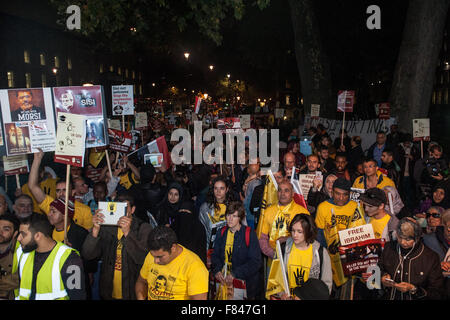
374	197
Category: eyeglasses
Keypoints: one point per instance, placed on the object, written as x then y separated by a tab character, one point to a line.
434	215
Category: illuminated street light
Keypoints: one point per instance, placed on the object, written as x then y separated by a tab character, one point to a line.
55	71
186	55
228	75
205	96
153	84
211	67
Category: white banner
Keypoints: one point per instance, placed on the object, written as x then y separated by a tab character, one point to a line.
122	100
356	234
366	129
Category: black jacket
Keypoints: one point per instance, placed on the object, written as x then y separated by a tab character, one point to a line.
134	251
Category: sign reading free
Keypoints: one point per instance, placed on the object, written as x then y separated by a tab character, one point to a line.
356	234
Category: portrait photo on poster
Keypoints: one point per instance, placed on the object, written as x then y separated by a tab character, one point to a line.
26	104
18	138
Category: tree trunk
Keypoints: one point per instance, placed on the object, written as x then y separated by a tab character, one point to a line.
313	64
417	60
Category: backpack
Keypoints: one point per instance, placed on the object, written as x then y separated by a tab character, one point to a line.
247	234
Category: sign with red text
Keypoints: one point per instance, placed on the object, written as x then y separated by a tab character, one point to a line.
122	100
13	165
356	234
421	129
357	257
119	140
70	139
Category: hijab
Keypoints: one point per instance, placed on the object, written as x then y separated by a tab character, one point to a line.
445	203
397	202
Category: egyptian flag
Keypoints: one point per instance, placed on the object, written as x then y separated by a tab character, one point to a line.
298	194
158	145
198	101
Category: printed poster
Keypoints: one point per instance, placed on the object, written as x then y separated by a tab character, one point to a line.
28	120
119	140
245	120
70	139
315	111
87	101
229	125
421	129
346	99
13	165
122	100
141	120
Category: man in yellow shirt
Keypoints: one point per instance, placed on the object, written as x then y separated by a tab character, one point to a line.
278	217
170	271
383	224
338	213
372	178
82	216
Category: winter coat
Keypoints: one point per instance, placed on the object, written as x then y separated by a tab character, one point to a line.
420	267
134	251
246	261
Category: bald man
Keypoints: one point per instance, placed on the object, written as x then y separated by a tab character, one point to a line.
289	163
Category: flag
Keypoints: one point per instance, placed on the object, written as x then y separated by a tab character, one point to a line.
158	145
277	281
298	194
198	101
270	197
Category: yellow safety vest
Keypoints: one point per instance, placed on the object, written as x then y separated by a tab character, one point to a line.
49	284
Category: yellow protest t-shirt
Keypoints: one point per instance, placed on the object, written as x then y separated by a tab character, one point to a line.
277	220
219	215
82	215
126	182
332	219
117	279
378	225
184	276
229	250
382	182
298	266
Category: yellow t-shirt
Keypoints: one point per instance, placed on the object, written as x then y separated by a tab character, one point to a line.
184	276
219	215
82	216
59	235
332	219
298	266
277	220
379	225
229	250
117	279
383	181
125	180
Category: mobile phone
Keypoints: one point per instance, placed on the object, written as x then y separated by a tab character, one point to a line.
389	280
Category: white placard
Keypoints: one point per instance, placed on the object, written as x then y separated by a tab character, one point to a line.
315	110
141	120
306	182
112	211
245	121
70	139
15	165
279	113
122	100
421	128
356	234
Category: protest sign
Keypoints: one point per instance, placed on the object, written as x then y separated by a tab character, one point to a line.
315	111
305	145
306	182
356	234
122	100
95	157
87	101
421	129
114	124
229	125
70	139
366	129
135	140
245	120
383	110
346	99
357	257
119	141
141	120
279	113
156	159
13	165
94	174
28	120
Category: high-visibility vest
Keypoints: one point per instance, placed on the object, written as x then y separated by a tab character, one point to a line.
16	257
49	284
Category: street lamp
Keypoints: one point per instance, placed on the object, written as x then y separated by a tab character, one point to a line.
55	71
211	67
228	76
186	55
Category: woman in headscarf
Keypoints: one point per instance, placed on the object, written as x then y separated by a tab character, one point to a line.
400	210
439	198
170	205
409	269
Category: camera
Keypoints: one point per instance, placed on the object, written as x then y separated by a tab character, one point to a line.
433	167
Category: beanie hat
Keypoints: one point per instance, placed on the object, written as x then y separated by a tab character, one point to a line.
342	183
313	289
60	205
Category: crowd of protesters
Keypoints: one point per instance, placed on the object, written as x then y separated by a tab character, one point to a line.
193	231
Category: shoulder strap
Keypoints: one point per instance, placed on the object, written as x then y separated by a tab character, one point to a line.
223	230
247	236
321	260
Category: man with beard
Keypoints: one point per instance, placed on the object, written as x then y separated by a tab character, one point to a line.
23	206
9	280
27	111
42	260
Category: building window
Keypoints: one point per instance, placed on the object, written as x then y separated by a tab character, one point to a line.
44	80
446	96
111	68
439	97
10	75
26	56
42	59
101	68
140	75
56	62
140	89
433	99
133	74
28	79
119	70
126	73
70	81
69	63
